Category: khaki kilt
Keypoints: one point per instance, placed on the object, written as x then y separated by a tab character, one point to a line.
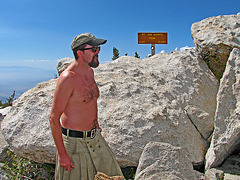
88	156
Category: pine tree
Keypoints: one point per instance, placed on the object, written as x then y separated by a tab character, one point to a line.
136	55
8	102
115	53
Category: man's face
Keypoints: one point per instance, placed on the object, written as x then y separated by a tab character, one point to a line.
92	56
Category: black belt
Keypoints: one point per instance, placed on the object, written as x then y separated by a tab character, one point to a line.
79	134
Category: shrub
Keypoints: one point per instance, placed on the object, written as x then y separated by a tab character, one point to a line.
20	168
8	101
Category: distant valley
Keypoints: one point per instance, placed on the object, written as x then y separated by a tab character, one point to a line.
21	78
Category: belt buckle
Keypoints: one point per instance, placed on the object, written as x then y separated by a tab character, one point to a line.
84	134
93	133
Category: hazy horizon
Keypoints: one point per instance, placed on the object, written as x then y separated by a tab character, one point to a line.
36	34
21	79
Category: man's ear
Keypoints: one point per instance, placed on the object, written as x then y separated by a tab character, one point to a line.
79	53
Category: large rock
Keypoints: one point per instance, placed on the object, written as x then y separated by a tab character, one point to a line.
216	174
63	64
26	127
165	98
229	170
226	136
231	165
3	148
4	112
164	161
214	38
3	144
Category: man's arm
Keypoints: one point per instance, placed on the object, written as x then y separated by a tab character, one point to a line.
62	94
96	120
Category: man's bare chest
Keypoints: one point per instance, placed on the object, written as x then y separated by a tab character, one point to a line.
85	89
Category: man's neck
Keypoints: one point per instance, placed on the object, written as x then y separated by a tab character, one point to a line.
81	67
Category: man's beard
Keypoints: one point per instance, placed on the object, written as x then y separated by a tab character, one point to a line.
94	64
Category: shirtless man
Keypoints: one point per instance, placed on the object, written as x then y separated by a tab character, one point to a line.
82	151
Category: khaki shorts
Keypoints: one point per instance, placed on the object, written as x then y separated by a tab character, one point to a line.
88	156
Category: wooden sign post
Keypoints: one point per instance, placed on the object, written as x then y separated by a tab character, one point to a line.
152	38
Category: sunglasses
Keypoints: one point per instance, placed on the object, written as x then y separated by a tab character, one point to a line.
94	48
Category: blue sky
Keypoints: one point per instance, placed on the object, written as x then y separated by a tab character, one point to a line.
37	33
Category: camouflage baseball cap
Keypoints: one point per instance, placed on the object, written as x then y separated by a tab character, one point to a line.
87	38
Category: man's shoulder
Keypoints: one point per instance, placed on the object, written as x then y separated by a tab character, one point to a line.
67	76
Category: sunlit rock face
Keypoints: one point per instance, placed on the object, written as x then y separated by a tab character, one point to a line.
226	136
166	98
214	38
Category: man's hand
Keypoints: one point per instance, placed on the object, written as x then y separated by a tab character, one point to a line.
65	162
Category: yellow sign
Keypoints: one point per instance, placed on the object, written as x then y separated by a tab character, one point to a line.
152	38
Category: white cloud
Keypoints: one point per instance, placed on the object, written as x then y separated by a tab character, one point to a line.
184	48
162	51
42	63
36	60
104	62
